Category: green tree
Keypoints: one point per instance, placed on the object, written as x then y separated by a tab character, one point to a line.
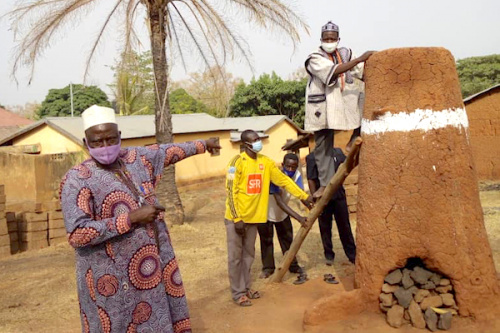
270	95
182	102
478	73
57	103
134	84
182	27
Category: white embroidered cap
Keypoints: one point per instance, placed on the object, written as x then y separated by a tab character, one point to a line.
96	115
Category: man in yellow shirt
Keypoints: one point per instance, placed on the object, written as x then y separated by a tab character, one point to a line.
249	175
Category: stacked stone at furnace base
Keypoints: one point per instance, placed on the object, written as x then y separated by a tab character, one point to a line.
4	231
418	297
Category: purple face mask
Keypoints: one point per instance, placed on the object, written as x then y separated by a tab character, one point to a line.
105	155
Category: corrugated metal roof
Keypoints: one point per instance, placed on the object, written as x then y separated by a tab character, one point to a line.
470	98
144	126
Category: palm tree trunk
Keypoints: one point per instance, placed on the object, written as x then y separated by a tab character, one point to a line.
167	189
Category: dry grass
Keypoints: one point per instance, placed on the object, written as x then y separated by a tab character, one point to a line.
39	290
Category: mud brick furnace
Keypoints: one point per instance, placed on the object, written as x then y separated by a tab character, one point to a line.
418	197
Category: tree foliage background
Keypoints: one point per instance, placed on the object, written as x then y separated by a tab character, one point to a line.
133	86
270	95
182	102
478	73
57	103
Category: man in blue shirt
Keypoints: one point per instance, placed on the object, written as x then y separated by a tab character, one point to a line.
279	217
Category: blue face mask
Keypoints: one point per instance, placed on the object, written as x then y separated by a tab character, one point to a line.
289	173
256	146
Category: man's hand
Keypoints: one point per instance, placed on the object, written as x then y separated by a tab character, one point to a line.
366	55
239	227
302	220
309	202
212	145
145	214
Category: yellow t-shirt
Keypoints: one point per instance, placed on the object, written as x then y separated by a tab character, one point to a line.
247	187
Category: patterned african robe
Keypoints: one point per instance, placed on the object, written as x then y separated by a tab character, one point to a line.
128	279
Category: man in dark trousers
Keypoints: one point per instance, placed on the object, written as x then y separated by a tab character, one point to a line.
337	206
278	216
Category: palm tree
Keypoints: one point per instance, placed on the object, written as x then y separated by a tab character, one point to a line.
174	26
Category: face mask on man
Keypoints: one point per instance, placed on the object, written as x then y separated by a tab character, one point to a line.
329	47
289	173
105	155
256	146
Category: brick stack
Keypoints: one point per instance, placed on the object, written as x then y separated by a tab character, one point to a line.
33	231
13	232
57	231
4	231
351	192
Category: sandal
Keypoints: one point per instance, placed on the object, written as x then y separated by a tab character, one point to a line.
301	278
253	294
243	301
329	278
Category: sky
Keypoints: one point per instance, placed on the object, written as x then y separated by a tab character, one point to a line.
465	28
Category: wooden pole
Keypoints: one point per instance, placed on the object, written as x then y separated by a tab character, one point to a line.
335	182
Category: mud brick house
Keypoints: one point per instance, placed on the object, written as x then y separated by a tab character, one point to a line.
64	135
483	110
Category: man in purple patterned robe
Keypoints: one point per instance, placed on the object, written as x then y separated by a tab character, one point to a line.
128	278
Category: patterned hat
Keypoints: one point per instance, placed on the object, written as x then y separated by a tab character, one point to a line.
330	26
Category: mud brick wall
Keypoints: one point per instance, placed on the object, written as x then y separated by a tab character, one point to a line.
484	120
4	230
351	192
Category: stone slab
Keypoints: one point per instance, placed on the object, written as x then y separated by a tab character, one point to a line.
3	198
395	316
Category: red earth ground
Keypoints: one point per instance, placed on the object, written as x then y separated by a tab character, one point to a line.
38	291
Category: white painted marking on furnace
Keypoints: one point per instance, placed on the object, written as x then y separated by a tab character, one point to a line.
421	120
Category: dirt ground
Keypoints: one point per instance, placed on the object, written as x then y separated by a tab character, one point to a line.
38	291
